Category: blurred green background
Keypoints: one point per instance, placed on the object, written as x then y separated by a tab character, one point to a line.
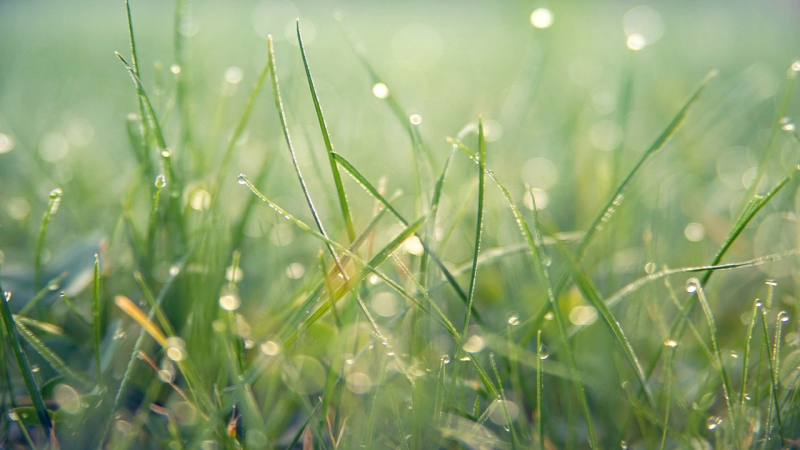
568	108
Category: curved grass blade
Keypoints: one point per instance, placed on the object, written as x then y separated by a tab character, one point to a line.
144	158
726	383
337	179
49	355
540	256
353	172
22	363
775	129
238	130
590	293
42	294
176	187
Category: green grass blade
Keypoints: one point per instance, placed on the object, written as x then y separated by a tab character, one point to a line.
238	130
657	145
586	287
539	388
726	385
540	256
337	179
22	363
52	209
97	326
358	177
48	354
479	226
775	128
42	294
144	157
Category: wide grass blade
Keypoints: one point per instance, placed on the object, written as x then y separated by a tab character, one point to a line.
22	363
337	179
48	354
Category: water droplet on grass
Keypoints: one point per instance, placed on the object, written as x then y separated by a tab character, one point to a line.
380	90
415	119
787	124
446	359
56	193
650	267
691	285
543	352
771	283
713	422
229	302
161	181
796	66
176	69
176	349
242	179
513	319
783	316
233	75
671	343
542	18
270	348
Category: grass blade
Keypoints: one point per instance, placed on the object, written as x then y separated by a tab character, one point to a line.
96	306
337	179
52	209
590	293
479	226
22	363
48	354
353	172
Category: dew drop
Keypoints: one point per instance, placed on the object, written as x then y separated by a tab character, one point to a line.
12	416
349	359
56	193
513	318
650	267
771	283
242	179
229	302
759	304
543	352
176	349
671	343
691	285
787	124
415	119
796	66
713	422
270	348
541	18
174	270
165	153
623	445
176	69
161	181
734	354
446	359
783	316
548	316
380	90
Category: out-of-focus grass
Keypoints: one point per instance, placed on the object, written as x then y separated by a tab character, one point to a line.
311	332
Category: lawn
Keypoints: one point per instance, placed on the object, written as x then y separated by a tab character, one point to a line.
472	224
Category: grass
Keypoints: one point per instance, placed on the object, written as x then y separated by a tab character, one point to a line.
256	287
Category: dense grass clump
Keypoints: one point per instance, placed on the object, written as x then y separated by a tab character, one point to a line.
612	267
